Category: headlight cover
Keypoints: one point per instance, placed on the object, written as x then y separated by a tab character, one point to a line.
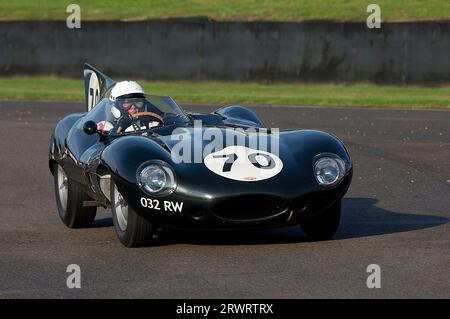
156	178
329	169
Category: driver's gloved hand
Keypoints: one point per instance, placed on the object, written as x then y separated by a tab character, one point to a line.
124	122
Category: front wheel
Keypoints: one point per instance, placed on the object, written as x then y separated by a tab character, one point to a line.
131	229
324	225
69	201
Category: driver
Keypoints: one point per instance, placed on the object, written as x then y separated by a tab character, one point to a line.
130	108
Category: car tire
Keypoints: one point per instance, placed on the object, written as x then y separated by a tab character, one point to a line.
69	201
324	225
131	229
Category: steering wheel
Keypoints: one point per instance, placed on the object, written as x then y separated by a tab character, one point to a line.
138	115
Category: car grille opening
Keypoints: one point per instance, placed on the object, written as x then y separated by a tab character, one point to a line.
249	207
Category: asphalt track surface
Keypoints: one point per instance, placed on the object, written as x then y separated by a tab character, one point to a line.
395	215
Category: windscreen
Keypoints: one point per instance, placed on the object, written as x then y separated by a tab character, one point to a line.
136	114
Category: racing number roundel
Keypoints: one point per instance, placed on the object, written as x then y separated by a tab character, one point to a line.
93	91
244	164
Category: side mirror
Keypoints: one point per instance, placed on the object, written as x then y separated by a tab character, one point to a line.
90	127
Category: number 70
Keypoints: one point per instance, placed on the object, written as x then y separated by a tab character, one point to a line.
254	158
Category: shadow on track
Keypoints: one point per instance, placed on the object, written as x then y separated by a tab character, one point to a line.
360	218
103	222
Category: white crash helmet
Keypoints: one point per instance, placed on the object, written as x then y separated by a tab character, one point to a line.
125	88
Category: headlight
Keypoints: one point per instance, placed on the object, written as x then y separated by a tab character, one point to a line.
156	178
329	169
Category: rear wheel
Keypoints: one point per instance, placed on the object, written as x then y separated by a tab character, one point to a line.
69	201
324	225
131	229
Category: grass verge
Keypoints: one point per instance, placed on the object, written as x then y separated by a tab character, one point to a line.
357	95
282	10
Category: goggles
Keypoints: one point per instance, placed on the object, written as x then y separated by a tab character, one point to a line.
128	103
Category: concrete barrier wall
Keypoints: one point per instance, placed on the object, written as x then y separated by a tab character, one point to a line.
198	49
